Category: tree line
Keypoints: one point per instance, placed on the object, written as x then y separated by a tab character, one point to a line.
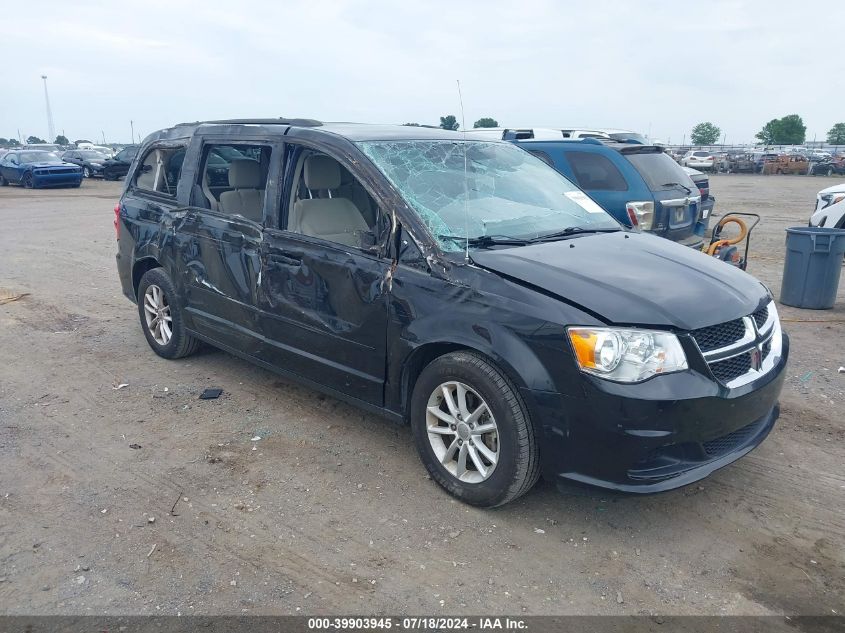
787	130
32	140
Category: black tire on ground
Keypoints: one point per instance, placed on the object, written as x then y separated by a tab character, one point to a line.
181	343
829	171
518	466
3	181
26	181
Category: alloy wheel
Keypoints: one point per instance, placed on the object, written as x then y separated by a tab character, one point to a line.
27	181
462	432
157	315
86	173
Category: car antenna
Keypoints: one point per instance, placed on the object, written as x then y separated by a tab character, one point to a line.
466	177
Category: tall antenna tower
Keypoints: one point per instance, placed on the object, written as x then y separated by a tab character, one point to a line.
50	129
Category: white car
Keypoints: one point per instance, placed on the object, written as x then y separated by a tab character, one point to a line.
108	152
830	208
516	133
698	159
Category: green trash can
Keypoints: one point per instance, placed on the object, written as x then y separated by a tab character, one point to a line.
812	267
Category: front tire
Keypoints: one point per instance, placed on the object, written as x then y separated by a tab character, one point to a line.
27	182
86	173
473	431
162	316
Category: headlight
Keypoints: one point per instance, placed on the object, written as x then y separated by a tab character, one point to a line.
641	214
626	355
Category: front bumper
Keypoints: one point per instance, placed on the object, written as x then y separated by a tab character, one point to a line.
830	217
59	179
658	435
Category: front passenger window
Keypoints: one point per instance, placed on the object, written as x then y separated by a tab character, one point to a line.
328	202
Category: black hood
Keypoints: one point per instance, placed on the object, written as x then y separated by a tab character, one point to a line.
631	278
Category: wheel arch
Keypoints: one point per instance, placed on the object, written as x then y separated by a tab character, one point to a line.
500	346
139	268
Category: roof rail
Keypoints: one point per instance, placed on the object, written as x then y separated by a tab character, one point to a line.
279	121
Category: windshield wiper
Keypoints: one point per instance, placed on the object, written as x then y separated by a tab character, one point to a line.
677	184
571	230
484	241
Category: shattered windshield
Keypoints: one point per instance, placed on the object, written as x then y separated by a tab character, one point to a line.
503	191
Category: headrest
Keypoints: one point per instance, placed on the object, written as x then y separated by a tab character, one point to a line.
244	173
322	172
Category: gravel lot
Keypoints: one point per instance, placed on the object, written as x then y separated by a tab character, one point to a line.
331	511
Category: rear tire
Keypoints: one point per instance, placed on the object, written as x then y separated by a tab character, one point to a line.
86	173
162	316
3	181
503	431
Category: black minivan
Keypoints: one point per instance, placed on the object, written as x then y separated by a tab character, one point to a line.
463	286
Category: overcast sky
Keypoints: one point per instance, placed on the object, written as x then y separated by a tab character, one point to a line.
658	66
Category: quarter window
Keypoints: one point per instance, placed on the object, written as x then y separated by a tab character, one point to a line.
595	172
160	170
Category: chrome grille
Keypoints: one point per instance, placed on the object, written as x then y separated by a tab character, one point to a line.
721	335
742	350
761	316
727	370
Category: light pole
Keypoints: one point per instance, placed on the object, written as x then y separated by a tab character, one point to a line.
51	132
132	125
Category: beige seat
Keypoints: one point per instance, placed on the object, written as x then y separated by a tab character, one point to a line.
334	219
245	197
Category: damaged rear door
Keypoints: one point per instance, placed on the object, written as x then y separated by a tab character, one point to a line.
218	238
323	279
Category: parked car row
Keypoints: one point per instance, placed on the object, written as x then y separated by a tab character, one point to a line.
761	162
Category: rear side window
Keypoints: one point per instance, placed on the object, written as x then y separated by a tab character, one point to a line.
659	171
232	179
595	172
160	170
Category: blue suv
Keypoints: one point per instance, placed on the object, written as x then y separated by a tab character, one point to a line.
639	185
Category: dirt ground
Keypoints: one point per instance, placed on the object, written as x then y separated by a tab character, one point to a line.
331	510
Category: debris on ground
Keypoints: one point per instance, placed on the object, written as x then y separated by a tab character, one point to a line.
135	446
173	509
842	370
151	519
152	549
117	386
619	598
6	298
256	438
210	394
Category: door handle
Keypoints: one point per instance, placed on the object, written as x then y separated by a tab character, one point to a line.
285	260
